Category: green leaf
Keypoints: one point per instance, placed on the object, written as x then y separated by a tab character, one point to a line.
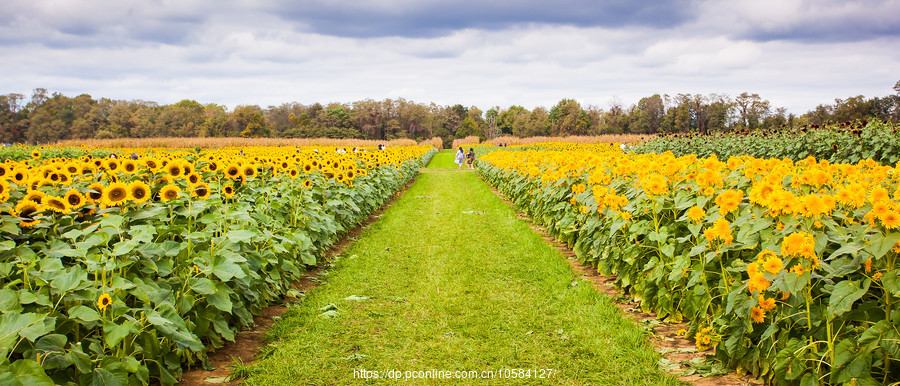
112	220
221	301
102	377
24	372
83	313
11	324
881	243
69	281
891	283
38	329
845	293
114	333
240	235
202	285
9	301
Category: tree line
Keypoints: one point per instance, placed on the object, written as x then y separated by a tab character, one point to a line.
47	118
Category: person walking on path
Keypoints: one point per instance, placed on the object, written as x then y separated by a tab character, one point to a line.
460	157
471	157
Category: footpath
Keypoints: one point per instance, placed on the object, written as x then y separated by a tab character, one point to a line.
449	286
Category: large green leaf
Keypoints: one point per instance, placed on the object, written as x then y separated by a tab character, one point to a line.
845	293
114	333
69	281
83	313
24	372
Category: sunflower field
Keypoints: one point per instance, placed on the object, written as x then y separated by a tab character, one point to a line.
784	269
122	269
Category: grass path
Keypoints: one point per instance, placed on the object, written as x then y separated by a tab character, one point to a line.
449	279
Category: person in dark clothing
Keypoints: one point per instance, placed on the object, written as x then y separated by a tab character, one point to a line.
471	158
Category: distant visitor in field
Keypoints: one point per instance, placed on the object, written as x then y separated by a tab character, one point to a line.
460	157
471	157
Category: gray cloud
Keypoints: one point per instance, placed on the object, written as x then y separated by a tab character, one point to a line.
416	18
812	21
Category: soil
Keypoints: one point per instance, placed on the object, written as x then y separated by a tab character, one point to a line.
248	342
677	349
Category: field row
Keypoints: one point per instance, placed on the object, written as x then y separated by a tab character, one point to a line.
121	270
788	270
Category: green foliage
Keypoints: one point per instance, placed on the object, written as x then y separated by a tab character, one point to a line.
876	140
834	321
128	296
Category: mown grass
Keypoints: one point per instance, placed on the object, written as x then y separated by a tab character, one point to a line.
454	281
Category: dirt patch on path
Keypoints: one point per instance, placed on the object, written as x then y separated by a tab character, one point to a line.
248	342
675	348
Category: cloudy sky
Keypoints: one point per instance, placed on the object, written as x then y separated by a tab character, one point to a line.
795	53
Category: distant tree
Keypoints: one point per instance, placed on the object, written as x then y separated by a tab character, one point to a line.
249	120
752	110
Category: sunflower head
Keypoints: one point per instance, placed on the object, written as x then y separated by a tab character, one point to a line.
115	194
35	154
233	171
200	190
27	210
96	195
307	184
139	191
174	169
74	199
104	301
249	171
35	196
228	191
56	204
169	192
193	178
129	166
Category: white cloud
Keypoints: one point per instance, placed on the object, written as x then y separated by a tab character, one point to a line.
244	55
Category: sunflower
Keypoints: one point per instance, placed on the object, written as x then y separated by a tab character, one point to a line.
174	169
35	154
169	192
72	169
696	214
36	196
27	209
56	204
294	173
152	163
19	177
772	264
97	192
104	301
249	171
139	191
228	191
200	190
115	194
129	166
74	199
891	219
112	164
233	171
307	184
4	170
766	304
757	314
193	178
213	166
186	167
